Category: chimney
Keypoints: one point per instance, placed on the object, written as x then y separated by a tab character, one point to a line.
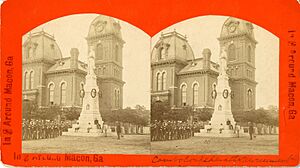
206	58
74	58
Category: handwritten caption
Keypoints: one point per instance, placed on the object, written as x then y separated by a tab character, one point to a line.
215	159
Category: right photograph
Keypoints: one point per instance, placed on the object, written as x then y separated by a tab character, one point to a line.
215	88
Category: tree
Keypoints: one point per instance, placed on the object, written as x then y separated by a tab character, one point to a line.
127	115
29	109
158	110
72	113
261	115
203	114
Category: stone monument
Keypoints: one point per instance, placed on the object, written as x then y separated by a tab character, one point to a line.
90	119
222	122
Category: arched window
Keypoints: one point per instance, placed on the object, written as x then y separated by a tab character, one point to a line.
26	81
163	53
63	88
249	54
249	95
31	76
164	81
99	52
183	95
231	52
117	53
195	94
51	94
30	52
118	96
81	88
159	82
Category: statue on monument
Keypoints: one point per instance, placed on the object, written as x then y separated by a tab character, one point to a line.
91	61
223	61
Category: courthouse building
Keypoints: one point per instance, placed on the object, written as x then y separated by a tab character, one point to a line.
49	78
183	80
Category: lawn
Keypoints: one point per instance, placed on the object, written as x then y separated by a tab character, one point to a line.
264	144
140	144
129	144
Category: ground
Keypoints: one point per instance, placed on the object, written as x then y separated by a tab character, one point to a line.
263	144
129	144
140	144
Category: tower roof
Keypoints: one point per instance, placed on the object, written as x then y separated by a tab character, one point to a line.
104	25
234	27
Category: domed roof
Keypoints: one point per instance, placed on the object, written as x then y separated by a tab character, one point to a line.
234	26
104	25
172	46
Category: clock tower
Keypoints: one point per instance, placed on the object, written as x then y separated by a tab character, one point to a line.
237	37
105	37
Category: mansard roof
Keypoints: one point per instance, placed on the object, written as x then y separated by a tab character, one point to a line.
44	44
177	47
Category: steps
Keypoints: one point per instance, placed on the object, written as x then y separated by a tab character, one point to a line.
216	133
92	133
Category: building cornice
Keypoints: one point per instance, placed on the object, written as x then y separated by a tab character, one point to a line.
202	71
108	35
243	79
67	71
238	35
160	93
168	62
108	79
39	60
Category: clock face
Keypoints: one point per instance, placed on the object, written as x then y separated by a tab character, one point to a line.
232	28
99	27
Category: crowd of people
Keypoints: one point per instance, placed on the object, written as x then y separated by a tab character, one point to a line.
171	130
42	129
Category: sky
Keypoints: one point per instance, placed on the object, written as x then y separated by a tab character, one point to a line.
202	32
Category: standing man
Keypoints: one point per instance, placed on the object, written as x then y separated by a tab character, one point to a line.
118	129
105	129
251	130
237	130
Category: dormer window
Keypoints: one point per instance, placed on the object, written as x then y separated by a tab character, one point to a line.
29	52
163	51
52	46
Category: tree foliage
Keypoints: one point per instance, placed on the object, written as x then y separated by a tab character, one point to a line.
30	110
264	116
138	116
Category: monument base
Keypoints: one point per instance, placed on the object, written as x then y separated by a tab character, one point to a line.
91	133
83	131
216	133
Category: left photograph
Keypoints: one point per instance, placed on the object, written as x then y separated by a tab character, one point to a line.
86	87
